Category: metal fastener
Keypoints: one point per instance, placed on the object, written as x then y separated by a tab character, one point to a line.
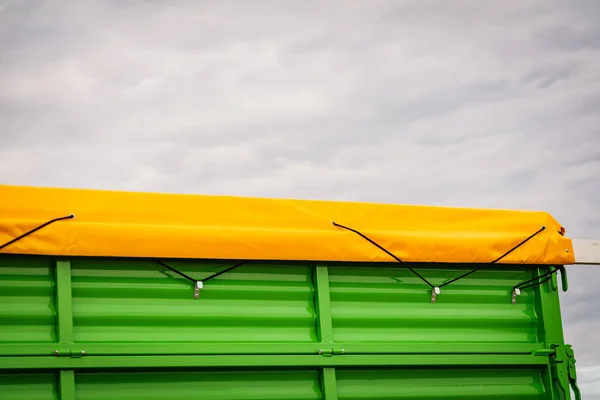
321	352
199	285
516	292
56	352
83	352
434	292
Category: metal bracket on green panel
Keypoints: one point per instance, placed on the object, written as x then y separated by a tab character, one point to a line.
434	292
541	279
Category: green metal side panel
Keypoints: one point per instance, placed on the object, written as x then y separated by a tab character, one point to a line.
392	305
135	302
86	328
27	300
27	386
194	384
425	384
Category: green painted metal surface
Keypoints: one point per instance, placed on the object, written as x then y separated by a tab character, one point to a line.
195	384
27	300
29	386
125	301
86	328
457	384
383	305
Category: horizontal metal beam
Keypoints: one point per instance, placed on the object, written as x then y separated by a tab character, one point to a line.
149	349
587	251
424	360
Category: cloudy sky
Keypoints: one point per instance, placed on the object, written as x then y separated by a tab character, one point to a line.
461	103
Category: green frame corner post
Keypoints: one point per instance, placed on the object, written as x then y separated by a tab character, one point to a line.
323	304
549	311
552	328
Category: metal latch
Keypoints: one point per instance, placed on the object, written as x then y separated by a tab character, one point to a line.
69	353
563	368
331	352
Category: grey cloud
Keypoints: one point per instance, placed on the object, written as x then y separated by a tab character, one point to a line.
545	77
580	314
588	105
571	38
589	378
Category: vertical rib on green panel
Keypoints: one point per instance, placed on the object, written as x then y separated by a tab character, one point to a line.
64	316
323	304
64	303
66	385
328	384
324	327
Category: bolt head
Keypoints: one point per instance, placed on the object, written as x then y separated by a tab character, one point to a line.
56	352
570	351
83	352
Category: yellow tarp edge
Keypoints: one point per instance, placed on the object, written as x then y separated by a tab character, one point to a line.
128	224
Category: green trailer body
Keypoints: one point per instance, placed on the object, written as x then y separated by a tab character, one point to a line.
93	328
123	328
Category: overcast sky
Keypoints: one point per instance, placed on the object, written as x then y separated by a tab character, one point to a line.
461	103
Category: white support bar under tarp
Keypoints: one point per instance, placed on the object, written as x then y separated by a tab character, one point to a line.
587	251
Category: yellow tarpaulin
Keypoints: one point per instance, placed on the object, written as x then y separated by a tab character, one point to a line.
124	224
